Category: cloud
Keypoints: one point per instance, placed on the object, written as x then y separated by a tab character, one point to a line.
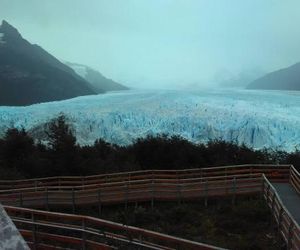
162	43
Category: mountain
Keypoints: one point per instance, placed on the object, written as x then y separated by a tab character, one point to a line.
95	78
29	74
283	79
256	118
226	78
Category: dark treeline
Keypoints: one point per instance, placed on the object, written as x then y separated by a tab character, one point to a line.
22	157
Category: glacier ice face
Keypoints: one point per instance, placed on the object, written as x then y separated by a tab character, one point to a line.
259	119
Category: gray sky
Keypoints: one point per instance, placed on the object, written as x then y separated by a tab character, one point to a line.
163	43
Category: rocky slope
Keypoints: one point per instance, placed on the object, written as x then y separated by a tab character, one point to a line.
95	78
29	74
283	79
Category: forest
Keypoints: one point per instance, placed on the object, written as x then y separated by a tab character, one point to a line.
23	157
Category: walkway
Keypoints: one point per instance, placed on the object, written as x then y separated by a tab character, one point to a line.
141	186
290	198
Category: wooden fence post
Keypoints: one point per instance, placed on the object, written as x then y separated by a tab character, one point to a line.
290	174
126	197
152	194
83	235
47	198
290	235
267	196
21	199
201	174
205	193
273	201
82	182
73	201
233	190
280	219
99	202
262	187
272	207
179	196
33	231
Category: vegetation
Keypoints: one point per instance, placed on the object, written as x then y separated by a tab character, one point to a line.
245	225
22	157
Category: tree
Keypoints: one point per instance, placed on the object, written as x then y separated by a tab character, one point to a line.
63	148
165	152
60	135
18	150
103	148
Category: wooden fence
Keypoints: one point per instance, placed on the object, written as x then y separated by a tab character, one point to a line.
295	179
287	226
40	227
274	172
143	186
134	191
48	230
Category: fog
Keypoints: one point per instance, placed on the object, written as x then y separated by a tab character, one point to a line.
164	43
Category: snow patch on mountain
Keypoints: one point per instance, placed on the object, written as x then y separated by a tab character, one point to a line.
1	38
80	70
257	118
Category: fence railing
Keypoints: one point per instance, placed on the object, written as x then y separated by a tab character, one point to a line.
274	172
134	191
287	226
295	179
44	230
40	228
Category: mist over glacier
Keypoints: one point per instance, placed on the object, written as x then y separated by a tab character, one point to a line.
259	119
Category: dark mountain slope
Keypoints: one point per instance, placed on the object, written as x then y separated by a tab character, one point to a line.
283	79
29	74
95	78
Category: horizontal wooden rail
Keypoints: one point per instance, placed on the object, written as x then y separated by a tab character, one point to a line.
271	171
132	182
135	191
53	228
159	185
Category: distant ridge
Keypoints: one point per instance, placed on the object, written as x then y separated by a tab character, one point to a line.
95	78
29	74
283	79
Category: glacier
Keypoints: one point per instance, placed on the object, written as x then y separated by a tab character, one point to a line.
259	119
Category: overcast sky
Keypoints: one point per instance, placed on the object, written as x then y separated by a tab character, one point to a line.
163	43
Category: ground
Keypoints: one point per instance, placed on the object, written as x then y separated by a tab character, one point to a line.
247	224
